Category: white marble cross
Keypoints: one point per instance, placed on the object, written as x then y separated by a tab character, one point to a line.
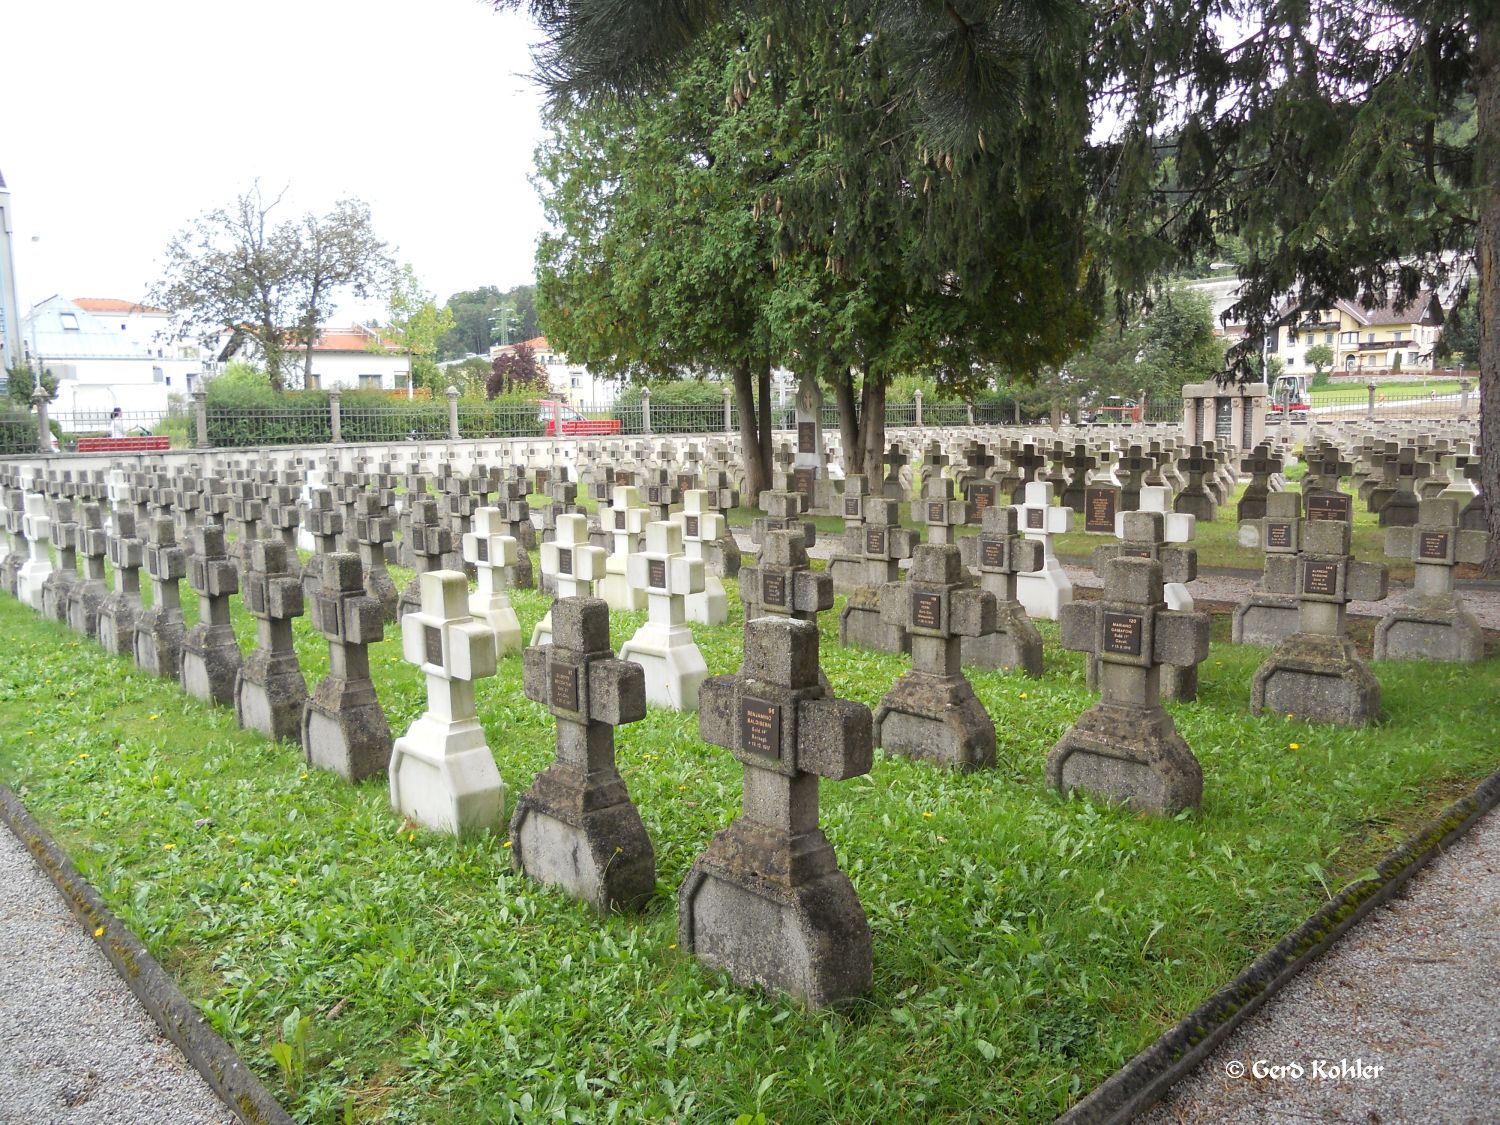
490	548
664	645
1045	591
700	524
442	773
624	521
573	563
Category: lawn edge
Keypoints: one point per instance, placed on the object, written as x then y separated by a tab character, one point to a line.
1145	1078
224	1071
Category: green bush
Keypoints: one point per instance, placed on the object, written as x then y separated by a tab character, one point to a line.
17	431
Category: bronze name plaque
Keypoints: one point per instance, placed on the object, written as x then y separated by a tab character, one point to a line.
565	687
482	548
656	573
1099	505
619	520
992	553
773	589
432	641
1135	552
926	610
804	481
851	507
982	496
760	727
685	482
1035	519
875	541
690	526
937	512
1320	578
807	437
564	561
1279	535
1433	545
1330	506
1122	633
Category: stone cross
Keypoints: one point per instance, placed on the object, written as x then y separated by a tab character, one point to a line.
119	611
1046	590
895	461
442	773
1078	463
490	550
1134	465
883	543
344	728
58	584
1126	748
625	521
86	597
766	900
1400	507
270	693
1316	673
1194	499
702	527
661	494
932	712
1261	464
15	531
846	564
664	645
427	541
1268	615
283	517
325	522
516	514
576	826
245	513
372	531
1145	538
1000	553
1028	462
210	653
1325	471
159	629
783	508
458	508
1433	623
574	564
781	584
938	509
187	505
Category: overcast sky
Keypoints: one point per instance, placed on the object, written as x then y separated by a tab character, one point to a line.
124	121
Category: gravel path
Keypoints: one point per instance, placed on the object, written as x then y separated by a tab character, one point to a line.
1411	990
75	1046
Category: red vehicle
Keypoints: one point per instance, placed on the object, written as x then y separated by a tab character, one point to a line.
1114	409
553	414
1291	396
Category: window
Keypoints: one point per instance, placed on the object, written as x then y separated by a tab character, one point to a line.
1398	336
122	328
1411	359
314	382
1291	338
1369	337
69	321
1328	337
402	380
1348	337
577	381
157	375
368	382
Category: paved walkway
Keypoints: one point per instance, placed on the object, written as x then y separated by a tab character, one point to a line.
1402	1011
75	1045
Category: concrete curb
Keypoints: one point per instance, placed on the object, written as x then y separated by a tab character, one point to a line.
179	1021
1145	1078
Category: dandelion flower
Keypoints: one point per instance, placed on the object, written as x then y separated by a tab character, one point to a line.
167	847
99	932
506	844
1294	746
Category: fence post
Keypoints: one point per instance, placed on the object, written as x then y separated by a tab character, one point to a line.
335	420
917	398
1015	410
452	413
43	431
969	406
1463	399
728	399
1370	407
200	417
646	410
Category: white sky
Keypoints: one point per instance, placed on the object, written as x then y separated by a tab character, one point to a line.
123	121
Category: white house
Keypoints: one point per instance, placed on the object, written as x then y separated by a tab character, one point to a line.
108	353
356	356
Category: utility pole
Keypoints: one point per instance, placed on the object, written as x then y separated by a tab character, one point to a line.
10	310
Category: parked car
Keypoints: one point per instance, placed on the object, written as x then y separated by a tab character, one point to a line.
1291	396
551	413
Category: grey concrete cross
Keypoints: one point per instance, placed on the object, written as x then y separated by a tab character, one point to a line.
159	629
1433	623
119	611
882	544
766	900
269	693
998	553
344	728
1126	748
576	826
210	653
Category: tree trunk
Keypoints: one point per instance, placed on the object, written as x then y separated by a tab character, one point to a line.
872	427
763	389
307	350
1487	112
756	478
853	452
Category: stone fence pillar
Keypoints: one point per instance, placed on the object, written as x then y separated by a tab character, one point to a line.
646	410
200	417
1464	387
452	413
728	401
335	421
43	430
917	398
1370	388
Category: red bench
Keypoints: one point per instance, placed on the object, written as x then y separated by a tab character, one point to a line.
123	444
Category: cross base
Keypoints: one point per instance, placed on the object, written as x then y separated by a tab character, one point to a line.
710	606
344	729
1400	510
84	605
500	616
1128	755
444	778
1014	646
775	911
1265	619
860	625
848	571
616	590
117	620
54	593
1317	677
1431	627
32	576
158	643
938	719
674	667
579	831
270	693
210	662
1044	592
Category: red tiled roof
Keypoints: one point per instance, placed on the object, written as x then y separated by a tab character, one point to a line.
536	344
115	305
346	340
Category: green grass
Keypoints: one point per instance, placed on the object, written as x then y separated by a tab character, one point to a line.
1394	391
1025	945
